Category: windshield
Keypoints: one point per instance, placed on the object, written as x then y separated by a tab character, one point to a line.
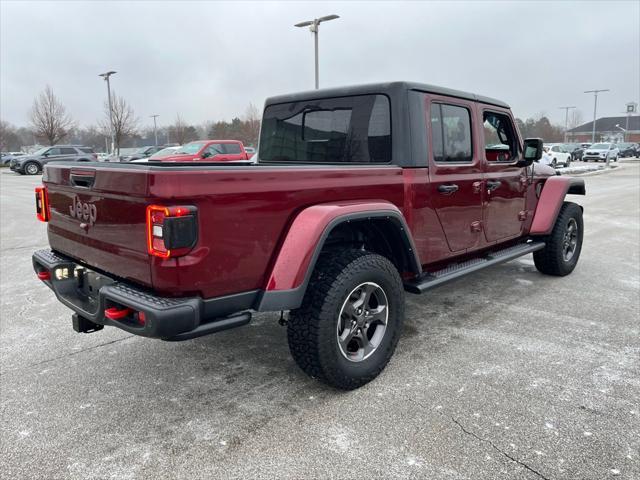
600	146
190	148
164	152
41	151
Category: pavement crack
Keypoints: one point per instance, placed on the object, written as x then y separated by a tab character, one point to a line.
502	452
70	354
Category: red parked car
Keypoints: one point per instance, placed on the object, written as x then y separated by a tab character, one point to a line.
358	195
208	151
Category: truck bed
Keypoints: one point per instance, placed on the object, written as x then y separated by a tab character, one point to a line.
243	214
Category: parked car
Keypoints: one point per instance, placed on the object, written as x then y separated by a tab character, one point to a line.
165	152
143	152
575	151
33	163
348	207
601	152
208	151
250	151
628	150
559	155
6	157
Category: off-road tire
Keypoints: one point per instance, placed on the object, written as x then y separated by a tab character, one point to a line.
550	260
31	171
312	328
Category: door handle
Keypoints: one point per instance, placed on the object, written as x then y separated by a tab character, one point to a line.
493	184
448	189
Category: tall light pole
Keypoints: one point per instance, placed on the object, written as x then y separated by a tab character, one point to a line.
624	132
155	127
566	120
313	27
595	107
106	76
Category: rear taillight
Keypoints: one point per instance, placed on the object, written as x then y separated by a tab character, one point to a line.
171	231
42	204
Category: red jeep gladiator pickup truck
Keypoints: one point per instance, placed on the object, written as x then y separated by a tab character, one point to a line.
358	195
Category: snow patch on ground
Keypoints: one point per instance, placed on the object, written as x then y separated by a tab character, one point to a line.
583	168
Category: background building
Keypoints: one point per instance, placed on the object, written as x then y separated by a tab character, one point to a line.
606	130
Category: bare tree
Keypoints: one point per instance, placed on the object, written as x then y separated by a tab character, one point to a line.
178	130
251	125
125	123
49	117
575	120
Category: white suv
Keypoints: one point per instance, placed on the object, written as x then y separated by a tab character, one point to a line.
601	152
558	154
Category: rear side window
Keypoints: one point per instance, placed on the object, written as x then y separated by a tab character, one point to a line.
451	133
354	129
232	148
67	151
87	150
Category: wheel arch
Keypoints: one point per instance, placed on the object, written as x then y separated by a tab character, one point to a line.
324	226
552	196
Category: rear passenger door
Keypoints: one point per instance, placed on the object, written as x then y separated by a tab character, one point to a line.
505	184
68	153
455	171
234	151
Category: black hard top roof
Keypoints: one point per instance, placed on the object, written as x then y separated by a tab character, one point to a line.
390	88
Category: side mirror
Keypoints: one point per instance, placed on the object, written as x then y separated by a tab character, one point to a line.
206	154
532	151
45	154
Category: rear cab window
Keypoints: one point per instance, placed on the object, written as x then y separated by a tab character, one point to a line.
451	134
355	129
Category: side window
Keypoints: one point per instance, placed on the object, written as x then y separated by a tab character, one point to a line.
232	148
500	144
215	149
53	151
451	133
87	150
67	151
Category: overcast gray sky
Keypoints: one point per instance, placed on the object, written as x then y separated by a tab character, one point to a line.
208	60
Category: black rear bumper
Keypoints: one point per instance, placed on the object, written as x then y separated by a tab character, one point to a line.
150	315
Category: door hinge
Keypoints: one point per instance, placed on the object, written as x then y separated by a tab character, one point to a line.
476	226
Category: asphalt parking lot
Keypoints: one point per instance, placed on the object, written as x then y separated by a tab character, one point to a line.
504	374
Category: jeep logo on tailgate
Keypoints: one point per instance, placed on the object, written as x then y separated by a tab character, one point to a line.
84	211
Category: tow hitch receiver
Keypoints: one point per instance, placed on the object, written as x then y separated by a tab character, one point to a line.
84	325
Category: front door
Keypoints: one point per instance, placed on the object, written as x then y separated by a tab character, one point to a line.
455	172
505	184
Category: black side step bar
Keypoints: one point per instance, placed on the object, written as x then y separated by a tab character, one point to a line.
213	327
434	279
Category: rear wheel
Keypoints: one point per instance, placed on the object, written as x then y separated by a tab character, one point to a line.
31	168
348	325
563	246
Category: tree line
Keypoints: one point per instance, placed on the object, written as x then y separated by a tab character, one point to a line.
50	123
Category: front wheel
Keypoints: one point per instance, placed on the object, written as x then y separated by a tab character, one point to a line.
563	246
31	168
350	320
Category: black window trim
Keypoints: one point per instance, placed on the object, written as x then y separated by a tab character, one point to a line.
370	164
466	107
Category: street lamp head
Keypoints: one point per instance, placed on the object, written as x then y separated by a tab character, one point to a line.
107	74
327	18
316	21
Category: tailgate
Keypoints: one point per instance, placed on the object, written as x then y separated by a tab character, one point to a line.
98	218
